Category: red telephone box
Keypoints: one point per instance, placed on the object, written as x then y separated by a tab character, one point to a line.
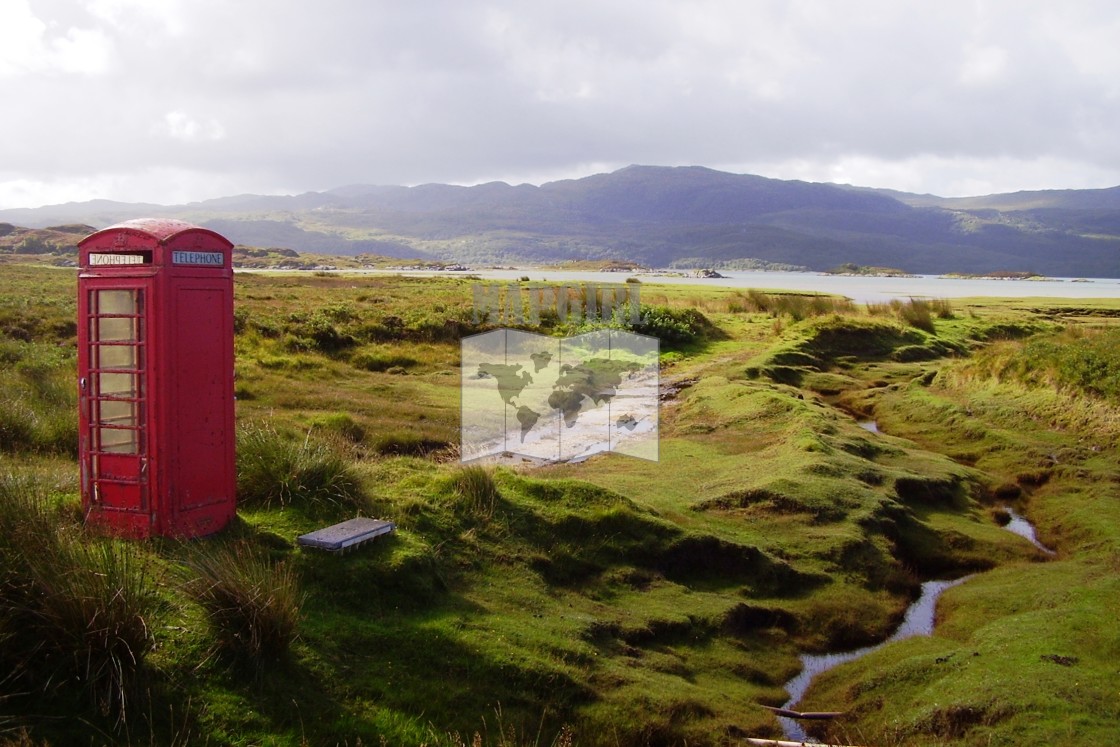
155	379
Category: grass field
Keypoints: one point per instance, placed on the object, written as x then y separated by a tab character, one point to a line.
613	602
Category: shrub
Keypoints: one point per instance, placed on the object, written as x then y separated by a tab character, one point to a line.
317	332
342	424
1090	363
381	360
240	320
273	469
673	326
252	605
34	245
406	443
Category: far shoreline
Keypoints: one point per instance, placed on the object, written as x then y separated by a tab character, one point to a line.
858	288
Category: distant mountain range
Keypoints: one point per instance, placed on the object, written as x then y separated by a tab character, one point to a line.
660	215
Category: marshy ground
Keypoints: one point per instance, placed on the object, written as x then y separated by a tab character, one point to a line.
617	601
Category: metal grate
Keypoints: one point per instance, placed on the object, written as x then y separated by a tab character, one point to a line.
346	535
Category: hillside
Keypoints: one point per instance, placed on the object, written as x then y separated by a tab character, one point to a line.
50	240
655	215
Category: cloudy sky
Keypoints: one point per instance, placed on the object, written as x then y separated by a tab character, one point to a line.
174	100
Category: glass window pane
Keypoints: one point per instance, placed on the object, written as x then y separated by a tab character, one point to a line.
120	329
117	302
119	441
117	385
115	412
118	356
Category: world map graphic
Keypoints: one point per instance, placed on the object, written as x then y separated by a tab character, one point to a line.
554	399
595	381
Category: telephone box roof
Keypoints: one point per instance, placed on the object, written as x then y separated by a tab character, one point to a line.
161	230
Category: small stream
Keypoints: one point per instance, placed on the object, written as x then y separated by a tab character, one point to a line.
869	425
918	621
1024	528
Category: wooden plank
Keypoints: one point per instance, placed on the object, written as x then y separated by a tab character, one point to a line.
346	535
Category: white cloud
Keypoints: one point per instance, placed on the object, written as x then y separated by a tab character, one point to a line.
85	51
960	176
158	185
179	125
142	18
20	38
29	45
983	65
949	96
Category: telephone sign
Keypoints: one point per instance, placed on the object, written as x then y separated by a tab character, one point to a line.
214	259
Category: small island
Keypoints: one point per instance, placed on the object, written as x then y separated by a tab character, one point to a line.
850	268
1000	275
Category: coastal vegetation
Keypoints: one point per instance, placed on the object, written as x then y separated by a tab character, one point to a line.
615	601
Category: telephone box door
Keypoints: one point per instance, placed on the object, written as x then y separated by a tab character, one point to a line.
113	390
201	391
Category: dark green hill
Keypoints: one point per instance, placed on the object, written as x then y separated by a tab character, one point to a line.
655	215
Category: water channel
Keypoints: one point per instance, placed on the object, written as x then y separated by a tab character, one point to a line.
1025	529
918	621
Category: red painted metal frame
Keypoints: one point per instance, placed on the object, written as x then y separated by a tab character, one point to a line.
171	473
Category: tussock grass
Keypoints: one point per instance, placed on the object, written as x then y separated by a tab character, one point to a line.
915	312
795	306
72	609
273	469
476	490
252	604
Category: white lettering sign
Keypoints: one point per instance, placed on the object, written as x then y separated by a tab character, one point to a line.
212	259
117	259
